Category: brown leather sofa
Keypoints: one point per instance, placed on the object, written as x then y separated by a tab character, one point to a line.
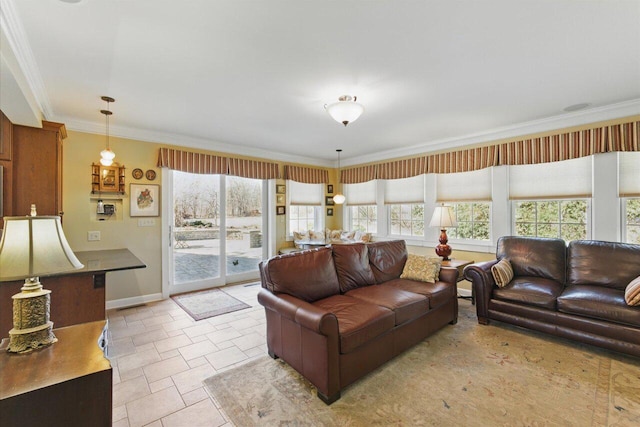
336	313
574	292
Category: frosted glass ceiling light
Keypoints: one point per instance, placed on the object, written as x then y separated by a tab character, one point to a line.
106	155
346	110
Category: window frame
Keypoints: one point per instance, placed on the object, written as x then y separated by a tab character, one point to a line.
318	219
389	207
351	218
454	205
624	221
588	213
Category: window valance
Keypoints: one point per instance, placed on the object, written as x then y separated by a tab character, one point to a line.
552	148
306	175
192	162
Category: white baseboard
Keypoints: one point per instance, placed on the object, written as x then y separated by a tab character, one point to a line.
464	292
128	302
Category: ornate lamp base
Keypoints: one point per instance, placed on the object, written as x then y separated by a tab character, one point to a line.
31	325
443	249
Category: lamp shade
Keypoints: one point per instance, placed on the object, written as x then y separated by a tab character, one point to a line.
443	217
34	246
346	110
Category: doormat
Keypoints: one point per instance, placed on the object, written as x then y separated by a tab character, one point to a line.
204	304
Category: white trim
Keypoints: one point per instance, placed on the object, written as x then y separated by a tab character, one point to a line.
14	33
129	302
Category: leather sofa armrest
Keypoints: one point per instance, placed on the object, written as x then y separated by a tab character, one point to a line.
301	312
449	275
479	274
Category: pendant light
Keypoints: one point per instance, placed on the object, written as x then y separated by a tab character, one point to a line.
339	198
346	110
106	155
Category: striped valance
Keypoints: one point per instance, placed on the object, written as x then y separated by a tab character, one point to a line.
406	168
552	148
359	174
188	161
306	175
253	169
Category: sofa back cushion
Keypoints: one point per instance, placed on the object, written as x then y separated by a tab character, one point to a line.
534	256
593	262
308	275
387	259
352	266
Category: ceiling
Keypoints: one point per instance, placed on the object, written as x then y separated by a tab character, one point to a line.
252	77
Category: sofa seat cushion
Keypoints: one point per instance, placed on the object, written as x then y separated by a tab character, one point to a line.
439	293
358	321
406	305
598	302
528	290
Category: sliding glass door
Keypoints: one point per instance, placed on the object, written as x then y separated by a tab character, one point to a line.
216	230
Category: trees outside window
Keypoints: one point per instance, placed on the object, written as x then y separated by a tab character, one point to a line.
474	221
363	218
564	219
632	220
301	218
406	219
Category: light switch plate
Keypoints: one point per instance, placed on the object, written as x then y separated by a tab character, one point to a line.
146	222
93	236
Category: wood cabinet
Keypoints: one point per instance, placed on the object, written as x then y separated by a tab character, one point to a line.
107	179
31	161
68	383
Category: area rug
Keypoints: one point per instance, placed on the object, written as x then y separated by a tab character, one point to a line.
464	375
204	304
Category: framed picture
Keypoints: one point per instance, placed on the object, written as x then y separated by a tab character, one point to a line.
280	199
280	210
108	178
144	200
329	211
329	201
281	188
330	188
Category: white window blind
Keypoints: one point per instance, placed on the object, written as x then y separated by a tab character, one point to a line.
464	186
404	190
555	180
304	194
629	174
361	194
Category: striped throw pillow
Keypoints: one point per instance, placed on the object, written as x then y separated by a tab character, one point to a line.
632	293
502	272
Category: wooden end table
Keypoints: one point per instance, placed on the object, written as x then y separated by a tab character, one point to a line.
460	264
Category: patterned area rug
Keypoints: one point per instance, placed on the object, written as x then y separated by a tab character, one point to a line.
464	375
204	304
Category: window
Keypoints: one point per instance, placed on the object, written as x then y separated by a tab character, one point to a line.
305	207
632	220
564	219
363	218
406	219
302	218
474	221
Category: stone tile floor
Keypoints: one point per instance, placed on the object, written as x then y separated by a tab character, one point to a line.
160	356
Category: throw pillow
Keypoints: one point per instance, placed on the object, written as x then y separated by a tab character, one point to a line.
421	268
316	236
632	293
502	272
300	236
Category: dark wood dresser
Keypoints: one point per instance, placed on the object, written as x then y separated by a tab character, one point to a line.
66	384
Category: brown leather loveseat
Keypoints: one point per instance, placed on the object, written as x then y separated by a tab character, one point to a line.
336	313
575	292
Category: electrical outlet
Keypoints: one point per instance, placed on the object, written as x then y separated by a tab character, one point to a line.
93	236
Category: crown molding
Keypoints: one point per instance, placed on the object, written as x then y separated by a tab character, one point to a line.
582	117
189	142
20	48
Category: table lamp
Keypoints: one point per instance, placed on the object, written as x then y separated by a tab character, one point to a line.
33	246
443	217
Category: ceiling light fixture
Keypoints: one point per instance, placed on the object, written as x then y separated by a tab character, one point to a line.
106	155
339	198
346	110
